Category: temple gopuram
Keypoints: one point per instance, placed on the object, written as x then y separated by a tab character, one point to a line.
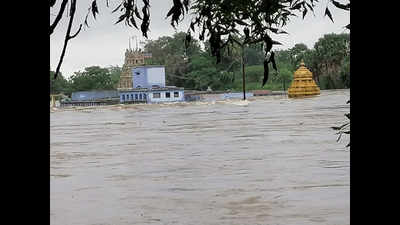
133	58
303	83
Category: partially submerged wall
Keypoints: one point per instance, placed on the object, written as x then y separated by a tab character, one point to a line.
94	95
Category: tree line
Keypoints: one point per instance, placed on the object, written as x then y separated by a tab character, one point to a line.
195	67
219	21
91	78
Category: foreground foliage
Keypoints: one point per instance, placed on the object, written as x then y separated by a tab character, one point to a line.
219	22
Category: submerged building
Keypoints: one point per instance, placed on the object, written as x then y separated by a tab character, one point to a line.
145	83
148	84
133	58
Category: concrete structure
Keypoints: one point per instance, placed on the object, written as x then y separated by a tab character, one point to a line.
303	83
214	95
148	84
152	95
133	58
94	95
148	76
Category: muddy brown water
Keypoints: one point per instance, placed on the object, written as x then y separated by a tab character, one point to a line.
268	160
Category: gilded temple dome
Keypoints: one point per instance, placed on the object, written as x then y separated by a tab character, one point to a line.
302	71
303	83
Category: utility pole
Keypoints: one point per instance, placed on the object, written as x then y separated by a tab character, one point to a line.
244	80
284	85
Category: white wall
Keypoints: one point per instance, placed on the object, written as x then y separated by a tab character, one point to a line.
140	78
164	99
156	76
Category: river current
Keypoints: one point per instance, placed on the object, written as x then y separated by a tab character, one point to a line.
268	160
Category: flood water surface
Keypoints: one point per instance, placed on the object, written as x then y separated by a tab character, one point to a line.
267	160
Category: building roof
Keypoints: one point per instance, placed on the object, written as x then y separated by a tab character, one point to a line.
152	89
149	66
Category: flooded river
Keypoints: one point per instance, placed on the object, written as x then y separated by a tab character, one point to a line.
266	161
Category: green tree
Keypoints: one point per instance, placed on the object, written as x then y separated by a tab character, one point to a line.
220	19
253	55
170	52
93	78
345	72
115	73
59	85
202	73
284	75
254	73
297	53
328	56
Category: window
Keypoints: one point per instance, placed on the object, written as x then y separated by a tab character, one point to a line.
127	97
132	96
144	96
140	96
136	96
167	94
123	97
176	94
156	95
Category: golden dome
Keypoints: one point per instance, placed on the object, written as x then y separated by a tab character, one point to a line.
302	71
303	83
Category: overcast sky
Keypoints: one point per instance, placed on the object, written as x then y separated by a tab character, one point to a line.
103	43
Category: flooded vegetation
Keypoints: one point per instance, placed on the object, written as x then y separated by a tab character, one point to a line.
267	160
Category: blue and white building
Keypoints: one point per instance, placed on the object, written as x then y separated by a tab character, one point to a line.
148	84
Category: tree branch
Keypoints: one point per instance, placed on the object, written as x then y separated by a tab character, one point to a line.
67	36
80	26
59	15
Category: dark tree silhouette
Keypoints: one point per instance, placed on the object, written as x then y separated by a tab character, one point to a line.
218	21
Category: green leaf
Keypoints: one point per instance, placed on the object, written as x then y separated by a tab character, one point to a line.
297	6
94	9
186	4
276	43
86	23
192	26
137	13
240	22
121	18
310	7
304	12
268	43
327	12
134	22
170	11
341	6
246	32
117	8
